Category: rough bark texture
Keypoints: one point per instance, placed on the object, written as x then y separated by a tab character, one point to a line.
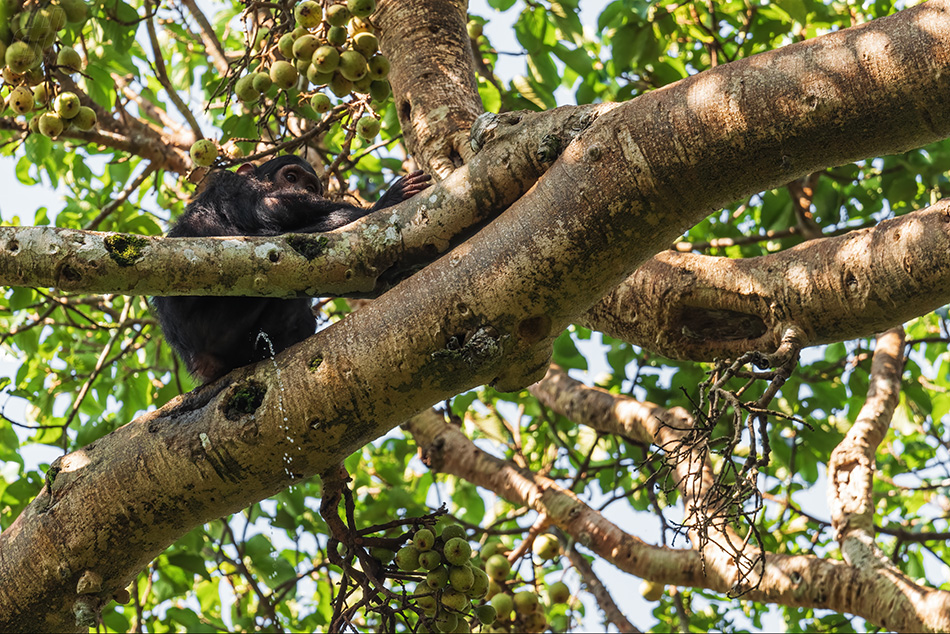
698	307
433	79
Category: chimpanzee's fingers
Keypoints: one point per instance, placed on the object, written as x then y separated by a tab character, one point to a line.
414	183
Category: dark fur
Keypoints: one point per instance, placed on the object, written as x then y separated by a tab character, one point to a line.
214	335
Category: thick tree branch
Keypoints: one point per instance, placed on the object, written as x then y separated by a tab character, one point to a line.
433	79
699	307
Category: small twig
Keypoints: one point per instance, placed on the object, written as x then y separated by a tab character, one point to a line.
162	75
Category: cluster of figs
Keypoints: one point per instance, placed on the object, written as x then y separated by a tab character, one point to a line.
32	50
335	50
462	589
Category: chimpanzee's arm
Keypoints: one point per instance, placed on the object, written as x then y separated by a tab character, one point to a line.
297	211
303	212
403	189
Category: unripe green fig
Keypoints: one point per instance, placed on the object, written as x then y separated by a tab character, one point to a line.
283	74
302	66
379	67
446	621
485	614
338	15
438	578
85	119
361	8
21	100
526	602
383	555
67	105
57	17
51	125
430	559
299	32
286	45
76	10
320	103
474	29
546	547
452	530
20	57
379	90
428	604
353	65
498	567
489	549
204	152
651	591
454	600
35	25
366	44
363	84
317	78
535	622
305	46
503	605
69	60
245	91
308	14
456	551
462	578
480	584
407	558
232	151
34	124
358	25
326	59
40	95
559	592
340	85
34	75
262	82
336	35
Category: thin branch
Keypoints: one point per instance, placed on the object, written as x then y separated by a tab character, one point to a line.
162	75
121	198
212	45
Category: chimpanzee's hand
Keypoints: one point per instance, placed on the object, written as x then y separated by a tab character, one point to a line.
403	189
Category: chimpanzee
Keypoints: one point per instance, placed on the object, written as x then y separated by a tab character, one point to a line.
214	335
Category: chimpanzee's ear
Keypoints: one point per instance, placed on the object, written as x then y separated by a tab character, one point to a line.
245	168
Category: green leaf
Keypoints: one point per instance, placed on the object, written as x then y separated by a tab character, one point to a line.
566	354
37	148
795	9
532	92
576	59
543	70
